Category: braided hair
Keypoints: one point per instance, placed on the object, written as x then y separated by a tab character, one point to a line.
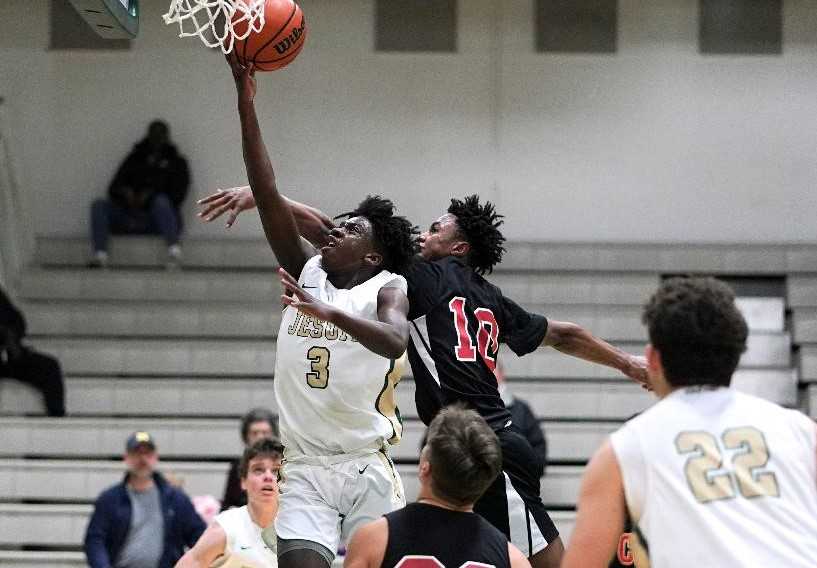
394	236
479	225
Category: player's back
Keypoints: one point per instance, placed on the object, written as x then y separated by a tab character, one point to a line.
457	321
452	538
334	395
714	477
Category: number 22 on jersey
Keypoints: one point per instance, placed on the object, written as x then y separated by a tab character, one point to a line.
487	333
710	481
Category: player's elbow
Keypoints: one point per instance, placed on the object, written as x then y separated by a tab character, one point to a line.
562	334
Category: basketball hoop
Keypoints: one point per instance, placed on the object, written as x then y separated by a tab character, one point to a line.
215	21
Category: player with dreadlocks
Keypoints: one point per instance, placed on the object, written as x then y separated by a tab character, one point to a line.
339	356
457	322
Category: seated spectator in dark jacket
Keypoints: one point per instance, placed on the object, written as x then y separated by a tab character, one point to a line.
144	196
141	522
524	419
257	424
17	361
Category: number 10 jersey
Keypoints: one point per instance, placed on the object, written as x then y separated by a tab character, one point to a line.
334	395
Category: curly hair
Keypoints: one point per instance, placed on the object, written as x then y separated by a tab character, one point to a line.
479	225
698	330
394	236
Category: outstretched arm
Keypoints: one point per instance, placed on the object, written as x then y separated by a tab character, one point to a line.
574	340
368	545
276	215
313	224
388	336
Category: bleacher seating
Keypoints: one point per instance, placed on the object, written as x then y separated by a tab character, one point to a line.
183	354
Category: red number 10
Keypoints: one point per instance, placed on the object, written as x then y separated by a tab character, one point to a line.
487	333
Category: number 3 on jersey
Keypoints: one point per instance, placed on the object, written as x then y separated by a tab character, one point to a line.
318	357
487	333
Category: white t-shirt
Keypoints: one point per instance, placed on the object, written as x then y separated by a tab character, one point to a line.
715	477
246	548
334	395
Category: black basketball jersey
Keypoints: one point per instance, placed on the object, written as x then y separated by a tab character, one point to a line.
453	538
457	322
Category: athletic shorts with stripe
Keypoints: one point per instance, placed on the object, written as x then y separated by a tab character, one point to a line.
325	499
513	503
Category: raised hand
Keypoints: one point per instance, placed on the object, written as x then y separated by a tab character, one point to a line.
244	77
233	200
637	371
300	299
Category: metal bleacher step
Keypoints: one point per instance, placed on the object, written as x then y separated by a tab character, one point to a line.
804	325
808	363
217	438
802	289
221	285
241	356
81	481
255	319
118	396
811	400
42	559
26	524
675	258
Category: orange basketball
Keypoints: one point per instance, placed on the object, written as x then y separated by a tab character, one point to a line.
280	40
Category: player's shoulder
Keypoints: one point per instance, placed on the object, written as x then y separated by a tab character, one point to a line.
232	517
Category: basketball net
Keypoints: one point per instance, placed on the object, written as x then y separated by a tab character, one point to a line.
214	21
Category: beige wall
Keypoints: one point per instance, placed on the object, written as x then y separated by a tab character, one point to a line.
654	143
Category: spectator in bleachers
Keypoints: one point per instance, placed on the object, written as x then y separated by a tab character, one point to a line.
143	521
144	197
524	419
458	463
245	536
257	424
20	362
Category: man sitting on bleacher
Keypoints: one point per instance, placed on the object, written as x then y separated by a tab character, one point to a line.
142	522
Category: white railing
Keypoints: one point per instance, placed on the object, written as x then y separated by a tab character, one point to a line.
16	235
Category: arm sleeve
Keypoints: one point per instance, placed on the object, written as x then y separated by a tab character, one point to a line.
423	279
524	331
95	550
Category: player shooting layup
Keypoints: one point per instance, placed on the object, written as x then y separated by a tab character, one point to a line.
343	333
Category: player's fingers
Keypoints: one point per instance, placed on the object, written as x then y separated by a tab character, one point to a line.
213	196
210	207
217	212
234	211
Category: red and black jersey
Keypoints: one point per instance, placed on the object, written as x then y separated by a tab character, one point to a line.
458	321
425	536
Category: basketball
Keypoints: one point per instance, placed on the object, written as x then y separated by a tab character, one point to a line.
279	42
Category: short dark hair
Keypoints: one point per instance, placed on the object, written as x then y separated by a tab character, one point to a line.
395	237
258	415
464	454
265	448
698	330
479	225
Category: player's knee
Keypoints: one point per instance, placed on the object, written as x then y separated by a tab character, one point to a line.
550	556
297	553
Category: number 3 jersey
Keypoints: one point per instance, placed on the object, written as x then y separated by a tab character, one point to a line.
334	395
715	477
457	322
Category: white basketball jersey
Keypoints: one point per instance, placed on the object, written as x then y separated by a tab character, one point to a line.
334	395
714	477
245	546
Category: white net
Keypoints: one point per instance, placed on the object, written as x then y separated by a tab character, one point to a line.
215	21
